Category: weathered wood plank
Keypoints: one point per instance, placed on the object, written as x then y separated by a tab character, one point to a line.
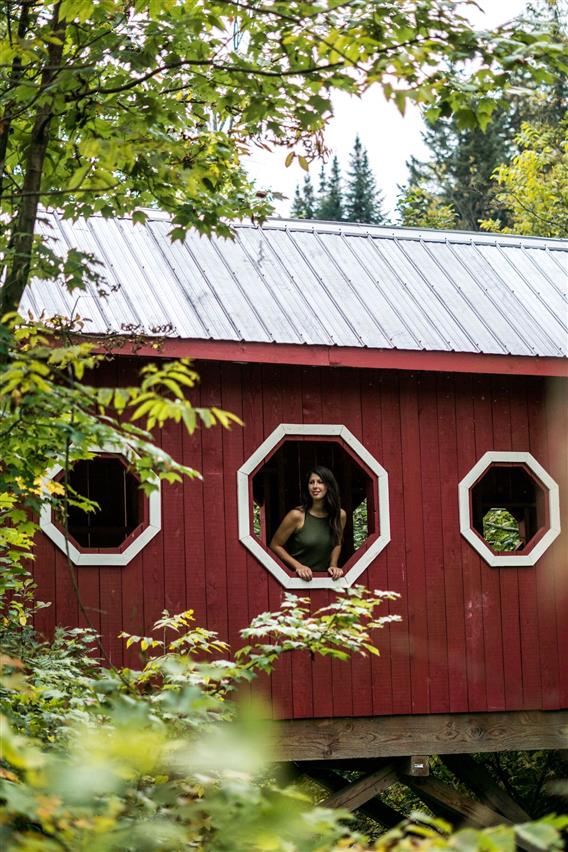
374	808
438	795
355	794
480	782
442	798
399	736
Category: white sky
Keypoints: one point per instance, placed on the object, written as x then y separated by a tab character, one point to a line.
389	138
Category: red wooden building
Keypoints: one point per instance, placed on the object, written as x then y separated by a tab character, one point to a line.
429	370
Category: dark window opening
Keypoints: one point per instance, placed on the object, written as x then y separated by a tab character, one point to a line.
106	481
508	507
277	488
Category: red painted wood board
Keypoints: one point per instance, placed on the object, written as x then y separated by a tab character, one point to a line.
451	544
359	358
434	562
485	438
173	527
397	570
372	389
414	535
471	568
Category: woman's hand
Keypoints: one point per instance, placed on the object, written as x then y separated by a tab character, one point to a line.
335	572
304	572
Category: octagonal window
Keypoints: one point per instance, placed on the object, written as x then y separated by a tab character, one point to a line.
277	488
124	519
120	505
509	508
270	484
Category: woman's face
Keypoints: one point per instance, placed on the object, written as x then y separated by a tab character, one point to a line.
316	487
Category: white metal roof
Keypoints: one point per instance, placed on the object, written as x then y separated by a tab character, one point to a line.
332	284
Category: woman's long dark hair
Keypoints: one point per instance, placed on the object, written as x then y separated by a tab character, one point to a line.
332	501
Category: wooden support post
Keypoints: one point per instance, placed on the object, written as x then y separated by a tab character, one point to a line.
352	796
374	808
479	780
417	765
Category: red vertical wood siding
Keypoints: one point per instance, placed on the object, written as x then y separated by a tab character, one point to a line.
472	638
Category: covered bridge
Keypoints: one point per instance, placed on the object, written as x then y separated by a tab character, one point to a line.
429	369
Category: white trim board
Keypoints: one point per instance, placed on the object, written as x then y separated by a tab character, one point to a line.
509	559
78	557
323	430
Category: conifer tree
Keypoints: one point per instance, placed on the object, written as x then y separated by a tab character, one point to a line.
331	200
304	205
363	201
322	189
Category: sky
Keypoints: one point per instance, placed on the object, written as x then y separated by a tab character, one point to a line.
389	138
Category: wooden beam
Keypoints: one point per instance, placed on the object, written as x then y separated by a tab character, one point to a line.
355	794
438	795
442	798
374	808
482	783
399	736
349	356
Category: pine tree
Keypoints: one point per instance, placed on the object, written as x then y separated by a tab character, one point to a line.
304	205
310	202
322	189
297	209
363	202
331	200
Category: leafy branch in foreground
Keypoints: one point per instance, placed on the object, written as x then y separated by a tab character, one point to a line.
111	107
167	759
161	758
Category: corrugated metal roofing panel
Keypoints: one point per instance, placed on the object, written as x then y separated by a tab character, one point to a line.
337	284
311	328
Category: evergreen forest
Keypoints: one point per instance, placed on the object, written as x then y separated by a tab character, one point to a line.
507	175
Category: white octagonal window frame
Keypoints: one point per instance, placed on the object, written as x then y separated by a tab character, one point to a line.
252	544
110	558
551	487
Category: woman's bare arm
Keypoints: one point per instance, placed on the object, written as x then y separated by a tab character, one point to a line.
335	571
291	523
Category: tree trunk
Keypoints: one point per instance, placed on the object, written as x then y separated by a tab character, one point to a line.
20	247
5	122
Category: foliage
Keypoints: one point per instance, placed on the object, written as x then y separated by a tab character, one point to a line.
50	415
331	196
305	203
425	833
111	107
501	530
165	758
420	208
162	757
363	202
360	524
458	176
533	187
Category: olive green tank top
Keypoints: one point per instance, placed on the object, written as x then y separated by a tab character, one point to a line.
312	544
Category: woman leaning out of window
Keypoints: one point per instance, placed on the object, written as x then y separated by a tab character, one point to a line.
309	537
